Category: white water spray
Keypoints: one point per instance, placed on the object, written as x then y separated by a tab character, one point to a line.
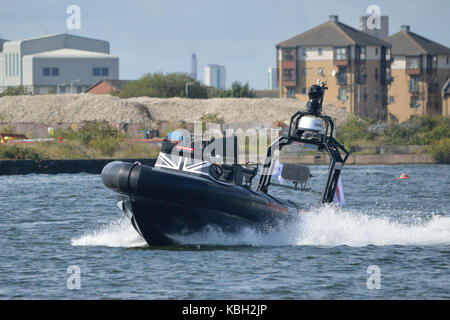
326	226
119	233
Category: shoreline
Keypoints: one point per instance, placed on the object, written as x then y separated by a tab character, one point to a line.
95	166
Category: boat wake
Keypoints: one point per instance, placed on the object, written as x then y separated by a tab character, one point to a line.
326	226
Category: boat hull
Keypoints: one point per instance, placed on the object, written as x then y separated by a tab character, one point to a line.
162	203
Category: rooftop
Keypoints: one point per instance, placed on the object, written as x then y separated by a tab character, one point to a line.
71	53
333	33
409	43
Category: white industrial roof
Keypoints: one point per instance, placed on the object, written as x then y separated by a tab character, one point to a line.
71	53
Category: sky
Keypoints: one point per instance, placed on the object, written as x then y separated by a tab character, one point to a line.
161	35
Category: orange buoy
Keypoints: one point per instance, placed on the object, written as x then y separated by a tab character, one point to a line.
403	176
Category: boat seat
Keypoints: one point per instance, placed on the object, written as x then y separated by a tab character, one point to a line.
238	174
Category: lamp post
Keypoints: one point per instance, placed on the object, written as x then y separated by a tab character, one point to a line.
71	84
187	88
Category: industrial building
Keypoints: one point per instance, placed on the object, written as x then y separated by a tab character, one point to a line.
215	76
60	63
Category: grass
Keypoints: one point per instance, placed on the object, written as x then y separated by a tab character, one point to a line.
92	140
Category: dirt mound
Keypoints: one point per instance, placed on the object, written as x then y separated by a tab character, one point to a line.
84	107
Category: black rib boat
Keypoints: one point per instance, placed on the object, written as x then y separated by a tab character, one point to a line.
184	193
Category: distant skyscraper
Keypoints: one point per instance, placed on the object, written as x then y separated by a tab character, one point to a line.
215	76
273	78
381	33
194	66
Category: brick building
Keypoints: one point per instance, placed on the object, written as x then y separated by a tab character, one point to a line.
107	86
420	69
355	65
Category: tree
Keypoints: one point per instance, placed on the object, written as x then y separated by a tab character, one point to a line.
237	91
164	86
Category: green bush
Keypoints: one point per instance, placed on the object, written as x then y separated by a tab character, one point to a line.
440	150
98	135
418	131
19	153
354	131
14	91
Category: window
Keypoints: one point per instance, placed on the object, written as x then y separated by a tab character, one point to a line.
365	94
447	60
289	74
304	71
320	51
434	61
290	93
342	94
376	96
362	53
46	72
413	62
388	54
96	72
414	84
303	90
376	74
342	75
341	53
391	100
376	51
320	71
414	102
105	72
55	72
288	54
304	53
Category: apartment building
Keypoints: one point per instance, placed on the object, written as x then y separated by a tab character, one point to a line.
356	66
420	69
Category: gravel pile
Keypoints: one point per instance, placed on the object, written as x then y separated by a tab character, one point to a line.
84	107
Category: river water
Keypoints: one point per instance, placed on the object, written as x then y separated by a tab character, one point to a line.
390	241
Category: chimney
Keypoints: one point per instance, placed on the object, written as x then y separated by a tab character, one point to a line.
405	28
334	18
